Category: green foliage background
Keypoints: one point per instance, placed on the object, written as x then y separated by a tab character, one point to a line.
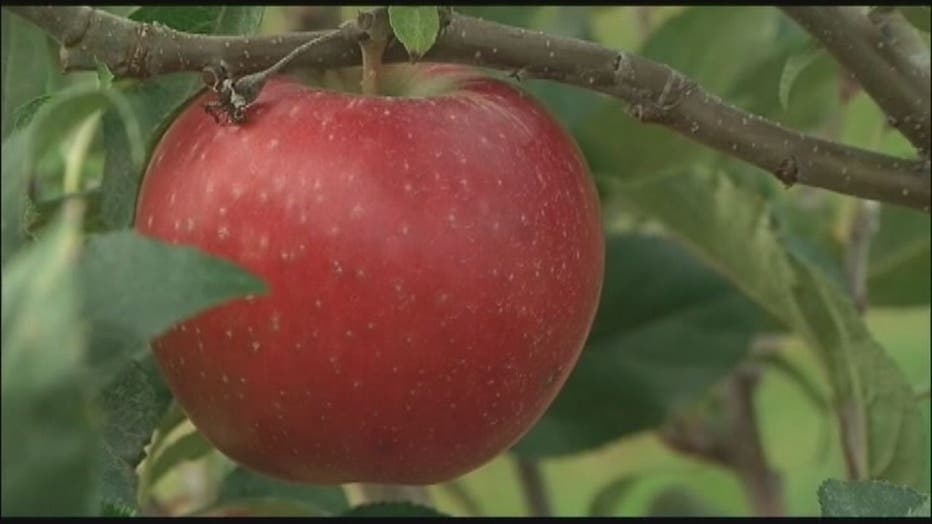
704	254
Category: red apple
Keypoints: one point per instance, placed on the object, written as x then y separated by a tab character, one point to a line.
434	266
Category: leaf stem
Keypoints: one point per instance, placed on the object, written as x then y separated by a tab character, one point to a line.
535	491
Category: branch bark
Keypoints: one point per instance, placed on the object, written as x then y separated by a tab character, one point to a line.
882	58
654	92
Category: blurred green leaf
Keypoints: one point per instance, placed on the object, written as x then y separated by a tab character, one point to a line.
779	88
667	328
243	486
104	76
117	510
49	440
135	288
192	446
572	21
865	126
899	266
52	122
869	499
618	27
675	501
70	108
392	509
918	15
730	39
23	114
871	391
795	65
13	194
610	496
806	384
223	20
733	231
619	146
156	101
25	64
516	15
922	510
416	27
133	404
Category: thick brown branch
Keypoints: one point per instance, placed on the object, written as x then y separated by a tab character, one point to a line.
654	92
897	82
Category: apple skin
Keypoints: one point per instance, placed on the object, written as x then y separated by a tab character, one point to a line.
434	266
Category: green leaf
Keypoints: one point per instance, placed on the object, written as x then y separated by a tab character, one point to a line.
811	98
49	442
791	70
243	486
675	501
14	182
899	265
226	20
156	102
518	15
733	231
53	120
922	510
135	288
23	114
104	76
610	496
918	15
117	510
870	499
416	27
872	392
133	404
742	37
25	63
192	446
393	509
667	328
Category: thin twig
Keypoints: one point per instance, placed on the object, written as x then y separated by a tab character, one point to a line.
535	491
863	226
654	92
736	446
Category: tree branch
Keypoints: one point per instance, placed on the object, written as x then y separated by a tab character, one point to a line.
736	444
535	491
654	92
881	58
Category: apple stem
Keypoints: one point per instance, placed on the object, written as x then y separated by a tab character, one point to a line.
377	34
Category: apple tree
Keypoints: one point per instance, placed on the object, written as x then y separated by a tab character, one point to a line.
422	261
